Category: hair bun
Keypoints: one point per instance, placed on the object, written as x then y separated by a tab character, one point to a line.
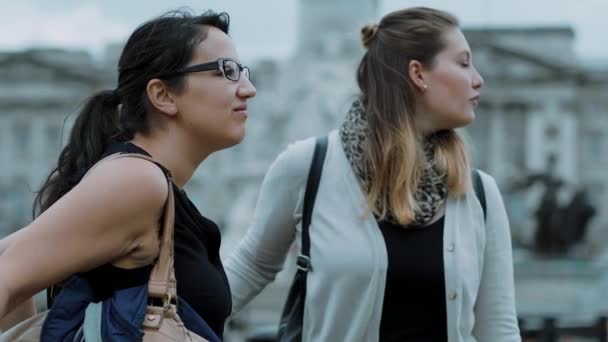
368	32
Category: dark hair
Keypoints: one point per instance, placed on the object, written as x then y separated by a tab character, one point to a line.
395	148
159	46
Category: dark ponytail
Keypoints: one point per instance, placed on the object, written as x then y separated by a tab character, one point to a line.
157	47
94	127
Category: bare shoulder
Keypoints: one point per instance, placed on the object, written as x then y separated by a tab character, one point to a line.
125	196
133	181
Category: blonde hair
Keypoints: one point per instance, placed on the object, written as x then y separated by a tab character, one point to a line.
395	152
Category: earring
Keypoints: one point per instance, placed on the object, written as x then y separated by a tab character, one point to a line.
425	87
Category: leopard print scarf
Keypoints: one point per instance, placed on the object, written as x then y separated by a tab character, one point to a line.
432	190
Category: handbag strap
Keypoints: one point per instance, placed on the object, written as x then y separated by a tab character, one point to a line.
312	185
162	283
479	190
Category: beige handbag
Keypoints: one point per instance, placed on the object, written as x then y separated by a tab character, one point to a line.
161	323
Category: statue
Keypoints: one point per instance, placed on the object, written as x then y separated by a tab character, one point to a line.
559	225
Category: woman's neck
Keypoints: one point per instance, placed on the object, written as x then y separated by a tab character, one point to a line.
178	156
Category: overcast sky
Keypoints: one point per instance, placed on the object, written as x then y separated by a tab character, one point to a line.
267	28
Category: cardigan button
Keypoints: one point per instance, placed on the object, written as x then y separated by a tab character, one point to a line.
451	247
453	296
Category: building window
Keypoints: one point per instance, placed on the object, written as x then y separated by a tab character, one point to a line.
52	140
516	107
551	132
515	131
15	205
594	148
22	140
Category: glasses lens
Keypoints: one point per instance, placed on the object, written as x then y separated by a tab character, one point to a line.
231	70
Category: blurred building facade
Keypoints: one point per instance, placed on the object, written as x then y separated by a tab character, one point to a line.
538	102
38	88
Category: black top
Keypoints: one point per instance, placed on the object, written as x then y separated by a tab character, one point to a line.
414	299
201	280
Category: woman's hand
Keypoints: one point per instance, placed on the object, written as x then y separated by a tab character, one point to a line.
24	311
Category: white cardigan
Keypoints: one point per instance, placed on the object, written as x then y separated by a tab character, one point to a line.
345	289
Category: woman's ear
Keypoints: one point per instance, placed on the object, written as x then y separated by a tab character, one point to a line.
415	72
160	97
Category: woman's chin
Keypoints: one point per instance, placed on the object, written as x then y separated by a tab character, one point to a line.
236	138
466	119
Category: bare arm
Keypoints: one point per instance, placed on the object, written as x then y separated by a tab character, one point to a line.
6	241
3	244
101	220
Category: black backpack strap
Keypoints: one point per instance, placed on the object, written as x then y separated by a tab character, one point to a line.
479	190
312	185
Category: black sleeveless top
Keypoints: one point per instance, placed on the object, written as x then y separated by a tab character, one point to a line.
201	280
414	306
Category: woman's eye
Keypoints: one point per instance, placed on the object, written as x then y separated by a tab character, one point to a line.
229	72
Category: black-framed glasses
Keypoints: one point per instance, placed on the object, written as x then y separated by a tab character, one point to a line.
231	69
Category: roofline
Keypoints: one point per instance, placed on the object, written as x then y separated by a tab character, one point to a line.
558	29
59	68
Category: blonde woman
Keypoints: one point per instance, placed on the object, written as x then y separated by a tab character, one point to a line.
399	246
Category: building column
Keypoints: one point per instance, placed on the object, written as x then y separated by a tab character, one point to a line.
553	131
497	139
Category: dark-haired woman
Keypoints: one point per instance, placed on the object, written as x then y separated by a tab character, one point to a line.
399	246
181	95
